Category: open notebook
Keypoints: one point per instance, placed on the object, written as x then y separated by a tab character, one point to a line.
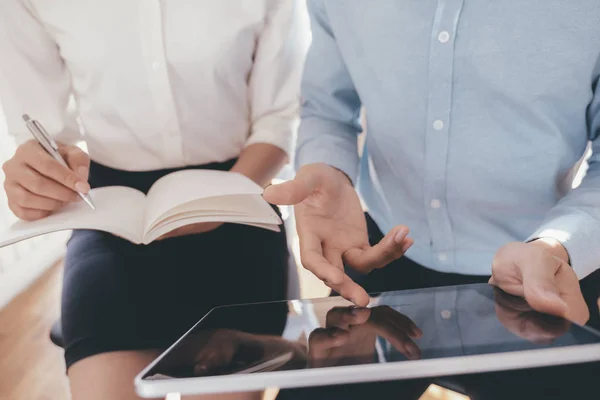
178	199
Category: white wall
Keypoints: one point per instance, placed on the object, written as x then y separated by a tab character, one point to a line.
22	263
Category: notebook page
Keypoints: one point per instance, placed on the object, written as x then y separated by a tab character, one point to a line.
244	220
119	210
181	187
227	206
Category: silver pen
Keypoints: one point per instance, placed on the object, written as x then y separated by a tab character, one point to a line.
46	141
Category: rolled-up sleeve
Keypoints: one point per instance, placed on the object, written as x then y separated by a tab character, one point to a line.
33	76
275	78
330	124
575	221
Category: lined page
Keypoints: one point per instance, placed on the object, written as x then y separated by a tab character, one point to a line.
119	210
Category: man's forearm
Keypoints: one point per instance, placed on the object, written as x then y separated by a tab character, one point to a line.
261	162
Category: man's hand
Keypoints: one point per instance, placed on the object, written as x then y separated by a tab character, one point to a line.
37	185
350	335
192	229
332	229
539	272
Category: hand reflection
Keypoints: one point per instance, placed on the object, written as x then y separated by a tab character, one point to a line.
224	351
519	318
219	350
350	335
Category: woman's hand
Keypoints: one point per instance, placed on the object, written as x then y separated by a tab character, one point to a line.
37	185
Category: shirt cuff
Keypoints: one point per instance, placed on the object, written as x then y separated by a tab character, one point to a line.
578	232
328	142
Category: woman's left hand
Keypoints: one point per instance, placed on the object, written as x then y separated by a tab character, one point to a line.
193	229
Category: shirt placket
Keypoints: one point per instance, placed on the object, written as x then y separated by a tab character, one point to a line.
441	71
447	324
165	113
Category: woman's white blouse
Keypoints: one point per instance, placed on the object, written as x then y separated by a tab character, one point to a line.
155	84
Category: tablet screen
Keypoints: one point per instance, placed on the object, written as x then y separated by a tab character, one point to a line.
396	327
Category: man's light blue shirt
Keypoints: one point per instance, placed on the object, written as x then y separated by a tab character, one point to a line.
478	112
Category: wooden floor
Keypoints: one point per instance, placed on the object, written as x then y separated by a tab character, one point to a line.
32	368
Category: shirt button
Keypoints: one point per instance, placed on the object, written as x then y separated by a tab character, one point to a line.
435	203
438	124
155	65
443	257
444	36
446	314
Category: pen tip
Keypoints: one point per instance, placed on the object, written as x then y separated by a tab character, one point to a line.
26	118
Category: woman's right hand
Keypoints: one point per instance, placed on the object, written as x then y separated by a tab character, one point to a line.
37	185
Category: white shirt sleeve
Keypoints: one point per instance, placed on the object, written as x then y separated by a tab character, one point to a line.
33	77
276	74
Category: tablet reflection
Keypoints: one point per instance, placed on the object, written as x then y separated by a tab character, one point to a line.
350	336
224	351
401	326
230	342
519	318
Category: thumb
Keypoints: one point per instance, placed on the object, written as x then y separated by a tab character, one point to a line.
540	289
78	160
294	191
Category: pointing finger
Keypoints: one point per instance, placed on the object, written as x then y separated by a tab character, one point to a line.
311	255
351	291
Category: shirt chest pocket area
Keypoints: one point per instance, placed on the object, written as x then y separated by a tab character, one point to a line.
536	59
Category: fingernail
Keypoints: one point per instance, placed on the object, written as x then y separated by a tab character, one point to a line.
82	187
82	171
400	235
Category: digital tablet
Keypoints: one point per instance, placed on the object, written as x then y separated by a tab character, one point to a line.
401	335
